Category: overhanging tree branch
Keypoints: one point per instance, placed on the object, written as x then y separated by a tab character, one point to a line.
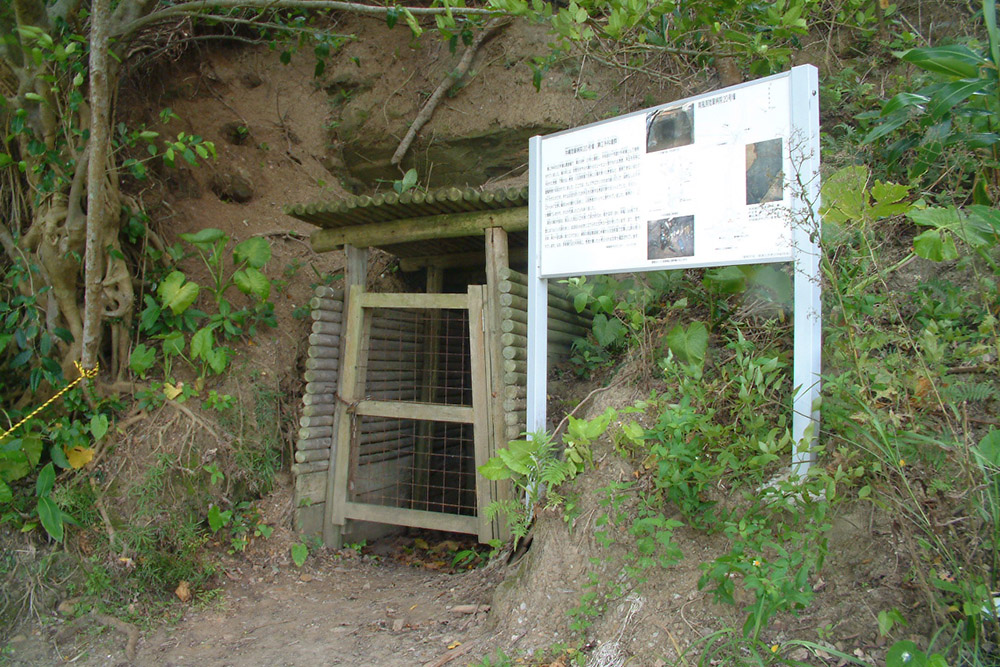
204	6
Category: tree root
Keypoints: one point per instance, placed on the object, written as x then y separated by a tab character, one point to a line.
446	84
76	625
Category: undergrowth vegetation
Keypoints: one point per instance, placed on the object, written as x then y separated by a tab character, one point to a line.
910	234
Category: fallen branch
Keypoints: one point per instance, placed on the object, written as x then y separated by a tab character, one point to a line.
456	652
446	84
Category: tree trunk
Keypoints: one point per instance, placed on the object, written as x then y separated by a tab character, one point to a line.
97	211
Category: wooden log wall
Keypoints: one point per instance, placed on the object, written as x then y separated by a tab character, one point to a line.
315	437
564	326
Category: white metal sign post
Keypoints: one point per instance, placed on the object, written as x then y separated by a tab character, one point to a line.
729	177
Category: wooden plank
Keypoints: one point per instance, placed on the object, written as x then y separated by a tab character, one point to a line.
426	228
480	405
458	260
400	516
311	487
453	301
333	524
309	520
498	257
438	412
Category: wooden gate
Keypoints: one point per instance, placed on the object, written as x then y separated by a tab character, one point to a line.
412	423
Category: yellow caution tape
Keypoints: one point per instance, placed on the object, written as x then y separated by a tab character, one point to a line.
83	374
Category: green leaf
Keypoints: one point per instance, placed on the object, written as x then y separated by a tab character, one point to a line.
51	517
391	16
46	480
903	101
202	342
218	519
300	551
727	279
255	251
176	293
953	60
905	654
494	469
217	359
58	456
934	246
252	281
844	196
514	462
947	97
32	447
988	449
6	495
608	331
580	302
204	238
14	465
98	426
411	21
142	359
5	160
173	343
689	345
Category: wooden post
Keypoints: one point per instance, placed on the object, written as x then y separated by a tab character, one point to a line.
354	283
497	260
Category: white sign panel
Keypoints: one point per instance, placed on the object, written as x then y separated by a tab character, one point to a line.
730	177
700	182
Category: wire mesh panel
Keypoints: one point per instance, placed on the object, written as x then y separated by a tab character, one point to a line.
414	412
418	355
415	464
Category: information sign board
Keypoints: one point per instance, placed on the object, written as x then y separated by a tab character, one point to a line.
728	177
702	182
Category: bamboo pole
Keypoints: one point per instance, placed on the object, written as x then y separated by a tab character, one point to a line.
317	420
333	293
321	376
326	353
329	328
322	363
327	304
313	443
306	468
515	391
324	340
512	378
317	399
564	311
327	315
512	404
310	455
316	410
512	366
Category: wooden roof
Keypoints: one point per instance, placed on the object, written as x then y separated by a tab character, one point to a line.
439	227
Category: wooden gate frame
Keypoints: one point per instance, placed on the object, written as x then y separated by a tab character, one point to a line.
353	404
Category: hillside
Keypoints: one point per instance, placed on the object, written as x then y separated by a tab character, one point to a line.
676	537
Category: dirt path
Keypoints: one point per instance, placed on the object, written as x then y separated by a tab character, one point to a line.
334	611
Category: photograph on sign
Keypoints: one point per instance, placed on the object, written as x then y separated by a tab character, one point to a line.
671	237
700	182
670	128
